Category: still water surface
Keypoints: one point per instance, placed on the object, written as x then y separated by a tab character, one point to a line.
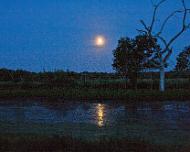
167	119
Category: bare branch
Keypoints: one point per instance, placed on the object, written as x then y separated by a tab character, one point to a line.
166	52
154	14
176	36
167	55
184	5
145	26
156	7
184	26
185	13
166	20
141	31
162	39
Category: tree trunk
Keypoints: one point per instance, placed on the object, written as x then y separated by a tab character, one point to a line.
162	77
133	81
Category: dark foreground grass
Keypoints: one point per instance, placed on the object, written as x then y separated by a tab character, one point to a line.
23	143
97	94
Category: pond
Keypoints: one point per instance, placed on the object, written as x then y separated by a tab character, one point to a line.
156	122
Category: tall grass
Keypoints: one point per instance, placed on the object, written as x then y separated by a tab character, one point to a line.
152	84
111	89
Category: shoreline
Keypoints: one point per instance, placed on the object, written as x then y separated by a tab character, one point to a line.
94	95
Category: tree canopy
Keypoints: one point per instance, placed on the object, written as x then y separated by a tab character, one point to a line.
183	60
133	55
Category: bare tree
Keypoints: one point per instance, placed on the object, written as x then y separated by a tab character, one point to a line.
161	56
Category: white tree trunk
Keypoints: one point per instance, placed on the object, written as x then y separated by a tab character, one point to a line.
162	77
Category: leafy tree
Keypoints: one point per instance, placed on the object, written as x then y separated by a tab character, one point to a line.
183	60
132	55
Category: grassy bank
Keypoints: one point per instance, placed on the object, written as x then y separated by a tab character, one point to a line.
96	94
36	143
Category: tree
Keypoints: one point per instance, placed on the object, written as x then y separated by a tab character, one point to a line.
132	55
162	55
124	62
183	61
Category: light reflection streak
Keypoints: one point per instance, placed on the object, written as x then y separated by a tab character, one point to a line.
100	114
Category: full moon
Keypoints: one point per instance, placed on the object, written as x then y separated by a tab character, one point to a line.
99	41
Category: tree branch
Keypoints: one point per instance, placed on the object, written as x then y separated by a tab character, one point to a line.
142	31
184	26
166	20
167	50
168	55
154	14
162	39
145	26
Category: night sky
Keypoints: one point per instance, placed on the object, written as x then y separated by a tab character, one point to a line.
58	34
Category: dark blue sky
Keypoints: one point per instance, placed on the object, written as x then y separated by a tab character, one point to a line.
58	34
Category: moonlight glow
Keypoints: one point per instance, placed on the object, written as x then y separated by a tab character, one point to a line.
99	41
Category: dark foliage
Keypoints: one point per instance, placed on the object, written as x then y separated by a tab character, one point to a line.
183	60
133	55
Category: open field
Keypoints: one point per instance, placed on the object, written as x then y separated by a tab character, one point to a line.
10	79
91	86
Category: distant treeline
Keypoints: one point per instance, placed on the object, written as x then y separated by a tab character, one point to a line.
59	75
11	79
